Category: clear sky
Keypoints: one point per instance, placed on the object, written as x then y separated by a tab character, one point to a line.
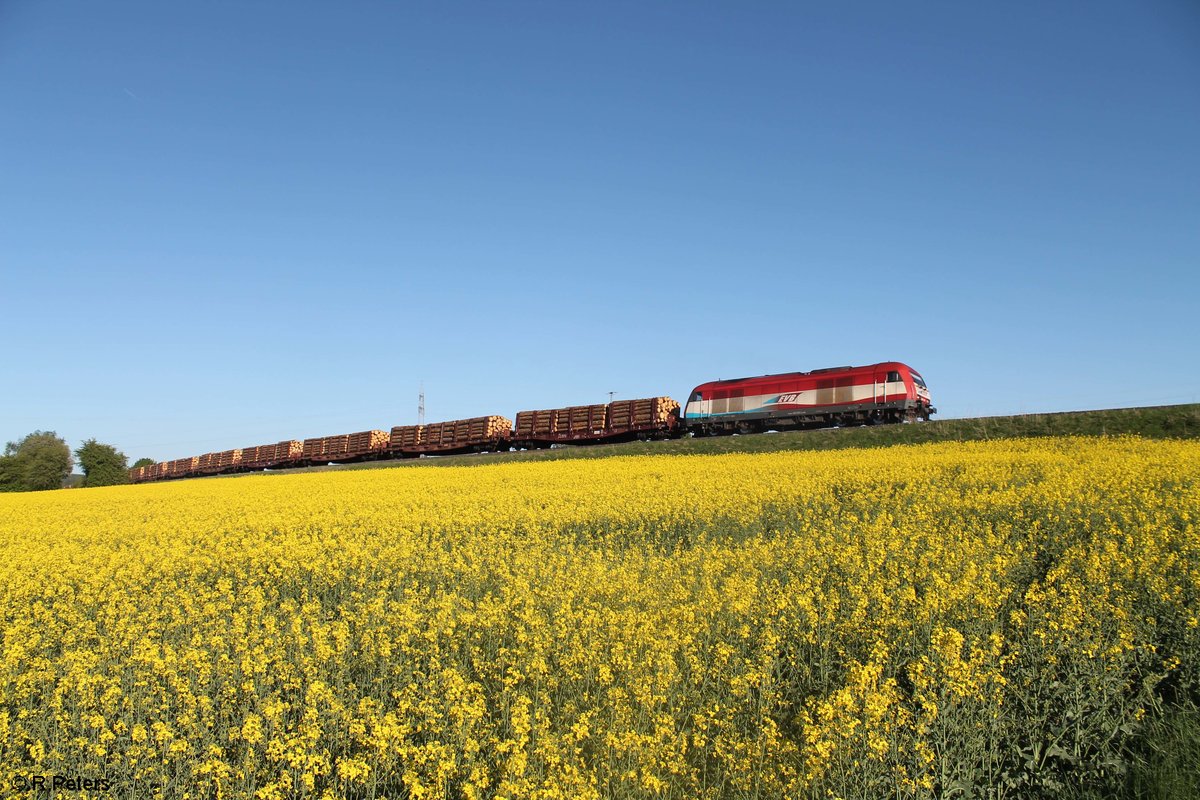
230	223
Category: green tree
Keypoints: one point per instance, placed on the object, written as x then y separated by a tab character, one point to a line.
102	464
42	460
10	479
142	462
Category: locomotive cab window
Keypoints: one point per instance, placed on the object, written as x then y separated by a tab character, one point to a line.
893	376
695	398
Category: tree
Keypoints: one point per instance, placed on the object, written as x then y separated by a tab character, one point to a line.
142	462
102	464
10	480
42	460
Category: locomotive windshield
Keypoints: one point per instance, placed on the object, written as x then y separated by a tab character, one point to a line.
918	380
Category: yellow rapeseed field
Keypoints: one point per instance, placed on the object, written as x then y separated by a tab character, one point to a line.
981	619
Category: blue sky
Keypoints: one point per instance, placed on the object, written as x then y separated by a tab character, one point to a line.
224	224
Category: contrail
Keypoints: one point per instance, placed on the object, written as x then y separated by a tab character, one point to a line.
131	94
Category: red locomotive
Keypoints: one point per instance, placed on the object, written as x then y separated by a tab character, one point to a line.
885	392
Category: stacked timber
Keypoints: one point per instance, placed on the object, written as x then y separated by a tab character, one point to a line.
208	464
536	424
561	424
229	459
583	420
651	413
437	435
314	449
287	451
545	423
365	443
263	455
406	438
337	447
598	422
460	434
483	430
523	428
256	457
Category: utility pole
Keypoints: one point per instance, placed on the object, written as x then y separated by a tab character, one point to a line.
610	397
421	405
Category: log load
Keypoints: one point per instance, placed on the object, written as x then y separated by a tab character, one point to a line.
366	443
288	451
268	455
623	419
258	456
347	446
314	449
337	447
523	427
584	420
229	459
571	424
483	430
647	414
433	437
459	435
185	466
158	471
406	439
536	424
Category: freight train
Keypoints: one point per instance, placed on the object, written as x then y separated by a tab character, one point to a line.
879	393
